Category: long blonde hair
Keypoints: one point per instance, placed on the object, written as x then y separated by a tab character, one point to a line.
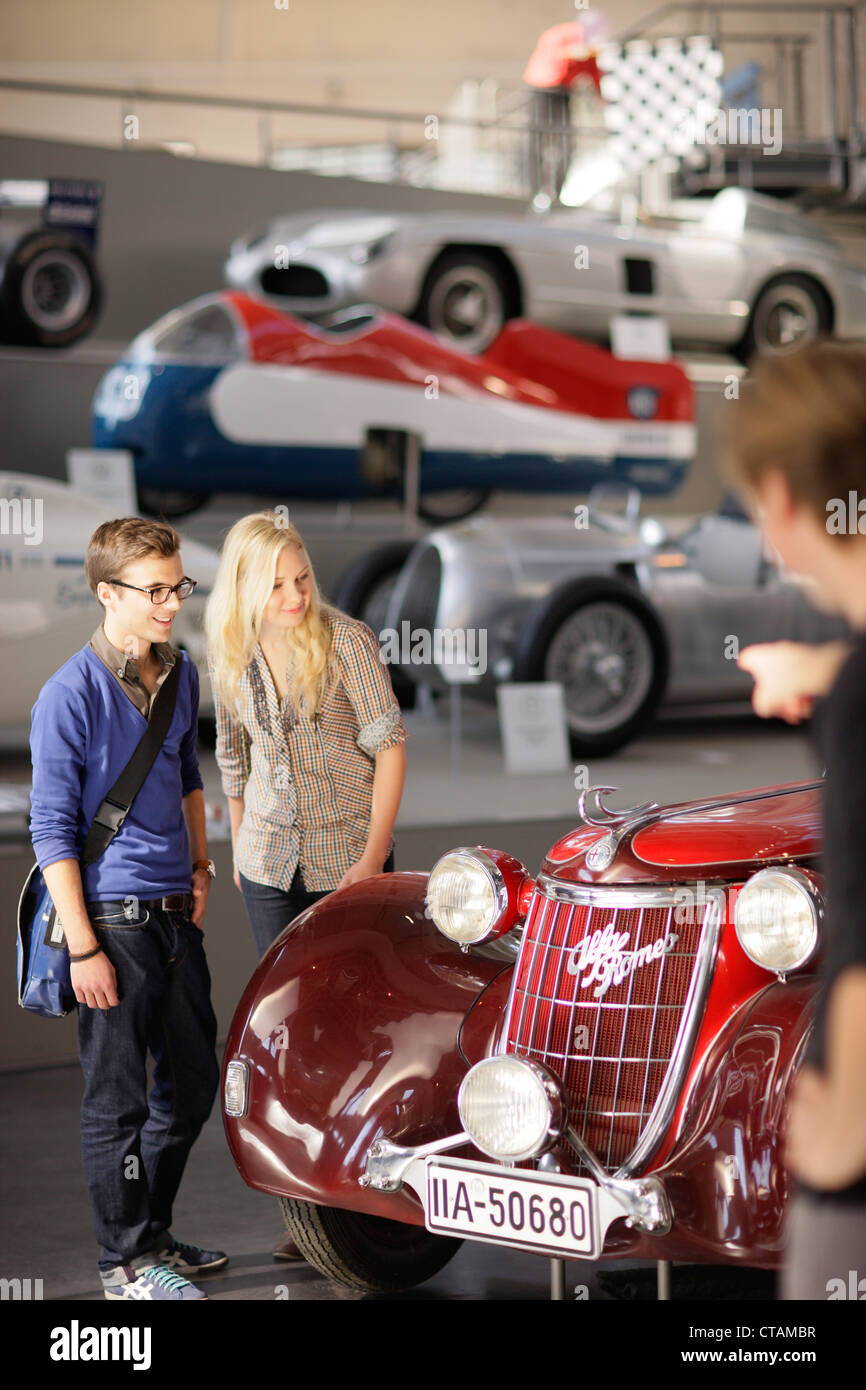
233	618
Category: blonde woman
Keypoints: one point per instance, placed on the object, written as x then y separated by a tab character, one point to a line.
309	734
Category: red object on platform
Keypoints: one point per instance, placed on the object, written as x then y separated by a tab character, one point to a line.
561	56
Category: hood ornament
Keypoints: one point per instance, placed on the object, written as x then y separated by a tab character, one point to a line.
592	811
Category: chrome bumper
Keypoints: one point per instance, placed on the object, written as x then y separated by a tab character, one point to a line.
642	1201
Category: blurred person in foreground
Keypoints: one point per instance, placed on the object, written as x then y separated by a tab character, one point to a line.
795	445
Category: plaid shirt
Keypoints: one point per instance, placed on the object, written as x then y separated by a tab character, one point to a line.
307	783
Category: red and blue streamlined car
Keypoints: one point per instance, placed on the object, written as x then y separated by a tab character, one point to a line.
592	1062
230	394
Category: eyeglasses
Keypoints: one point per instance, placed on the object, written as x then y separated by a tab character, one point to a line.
161	593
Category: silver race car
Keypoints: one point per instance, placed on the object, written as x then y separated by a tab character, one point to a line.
738	271
627	613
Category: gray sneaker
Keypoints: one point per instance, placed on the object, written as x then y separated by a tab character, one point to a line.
156	1283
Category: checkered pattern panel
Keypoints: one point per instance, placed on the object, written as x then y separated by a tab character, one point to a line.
659	96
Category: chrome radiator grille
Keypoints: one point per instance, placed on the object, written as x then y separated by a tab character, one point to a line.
605	990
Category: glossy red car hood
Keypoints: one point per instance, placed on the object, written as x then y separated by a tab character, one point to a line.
771	827
767	823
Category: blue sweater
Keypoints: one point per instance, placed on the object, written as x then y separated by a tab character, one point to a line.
84	731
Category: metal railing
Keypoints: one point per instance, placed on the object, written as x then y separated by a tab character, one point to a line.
811	73
834	32
403	146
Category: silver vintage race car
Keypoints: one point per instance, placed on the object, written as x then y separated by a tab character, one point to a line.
739	271
626	613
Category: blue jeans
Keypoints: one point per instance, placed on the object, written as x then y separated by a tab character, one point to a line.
271	909
135	1145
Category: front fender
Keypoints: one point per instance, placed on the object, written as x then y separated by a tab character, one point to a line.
725	1177
349	1031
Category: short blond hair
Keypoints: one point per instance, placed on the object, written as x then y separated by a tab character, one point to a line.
804	416
115	544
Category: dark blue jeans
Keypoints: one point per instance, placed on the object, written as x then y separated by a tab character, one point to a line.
135	1145
270	909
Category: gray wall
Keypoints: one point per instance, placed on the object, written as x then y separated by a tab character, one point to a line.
167	222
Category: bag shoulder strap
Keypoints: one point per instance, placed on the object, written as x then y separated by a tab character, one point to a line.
116	805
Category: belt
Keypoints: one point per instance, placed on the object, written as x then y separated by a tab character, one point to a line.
172	902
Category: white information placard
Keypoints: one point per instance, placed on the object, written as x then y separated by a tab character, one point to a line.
640	337
532	721
106	474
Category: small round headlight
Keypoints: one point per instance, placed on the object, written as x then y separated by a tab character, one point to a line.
511	1108
776	919
466	895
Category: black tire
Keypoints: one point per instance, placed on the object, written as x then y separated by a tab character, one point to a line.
601	601
364	1252
439	508
169	505
363	591
382	466
50	293
441	308
798	297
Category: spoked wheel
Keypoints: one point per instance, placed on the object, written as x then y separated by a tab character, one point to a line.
365	1252
604	644
467	299
789	313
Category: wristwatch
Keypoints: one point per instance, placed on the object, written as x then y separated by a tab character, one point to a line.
205	864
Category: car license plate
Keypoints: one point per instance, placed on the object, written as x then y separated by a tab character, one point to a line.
535	1211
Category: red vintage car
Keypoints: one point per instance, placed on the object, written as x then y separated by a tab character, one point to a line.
592	1063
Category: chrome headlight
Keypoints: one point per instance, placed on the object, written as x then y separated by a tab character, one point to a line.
235	1095
466	895
776	919
511	1108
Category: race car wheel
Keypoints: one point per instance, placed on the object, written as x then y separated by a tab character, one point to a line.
441	507
365	587
365	1252
382	465
605	644
467	299
155	502
50	293
788	313
364	590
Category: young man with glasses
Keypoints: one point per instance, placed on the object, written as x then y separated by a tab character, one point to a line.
132	918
